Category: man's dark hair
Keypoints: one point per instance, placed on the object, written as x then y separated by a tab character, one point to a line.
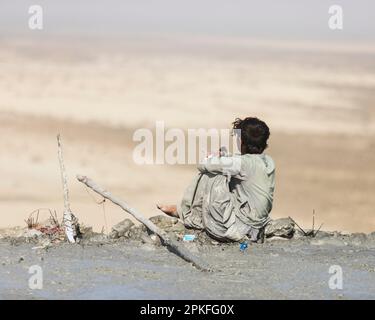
254	134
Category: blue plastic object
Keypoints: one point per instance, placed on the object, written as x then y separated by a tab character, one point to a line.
189	237
243	246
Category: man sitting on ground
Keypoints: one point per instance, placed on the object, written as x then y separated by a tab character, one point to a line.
231	198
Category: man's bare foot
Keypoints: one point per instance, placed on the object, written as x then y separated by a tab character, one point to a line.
170	210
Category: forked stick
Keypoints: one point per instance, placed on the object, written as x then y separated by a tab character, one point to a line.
166	240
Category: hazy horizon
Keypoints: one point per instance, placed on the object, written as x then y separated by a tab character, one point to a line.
286	20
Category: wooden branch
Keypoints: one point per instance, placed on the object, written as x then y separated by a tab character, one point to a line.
303	231
63	175
166	240
67	216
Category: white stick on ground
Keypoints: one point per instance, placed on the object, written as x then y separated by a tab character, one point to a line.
170	243
67	216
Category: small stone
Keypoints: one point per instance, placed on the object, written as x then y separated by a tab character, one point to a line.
178	227
99	238
135	232
86	232
164	222
322	234
121	228
358	239
156	240
43	244
283	227
146	239
31	233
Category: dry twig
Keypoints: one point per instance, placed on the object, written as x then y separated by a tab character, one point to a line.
166	240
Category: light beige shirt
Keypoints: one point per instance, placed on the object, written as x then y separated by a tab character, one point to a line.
252	182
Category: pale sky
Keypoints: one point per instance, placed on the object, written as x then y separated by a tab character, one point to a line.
280	19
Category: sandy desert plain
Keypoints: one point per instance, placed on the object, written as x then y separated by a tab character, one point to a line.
318	100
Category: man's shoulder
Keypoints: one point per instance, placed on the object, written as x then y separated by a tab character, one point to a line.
269	163
261	160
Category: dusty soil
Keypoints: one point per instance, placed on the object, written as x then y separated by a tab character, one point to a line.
130	269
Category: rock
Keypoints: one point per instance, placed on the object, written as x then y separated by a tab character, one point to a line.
120	229
276	238
31	233
323	234
147	239
337	234
169	224
156	240
86	232
136	232
371	240
46	243
203	238
178	228
298	234
283	227
164	222
98	238
358	239
85	229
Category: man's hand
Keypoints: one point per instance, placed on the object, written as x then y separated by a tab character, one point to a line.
221	153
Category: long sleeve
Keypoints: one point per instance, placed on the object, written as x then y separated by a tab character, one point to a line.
229	166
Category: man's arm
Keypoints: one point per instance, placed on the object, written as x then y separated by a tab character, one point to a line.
229	166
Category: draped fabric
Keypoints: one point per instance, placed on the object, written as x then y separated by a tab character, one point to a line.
230	197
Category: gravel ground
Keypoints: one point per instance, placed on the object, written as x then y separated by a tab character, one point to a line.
278	269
